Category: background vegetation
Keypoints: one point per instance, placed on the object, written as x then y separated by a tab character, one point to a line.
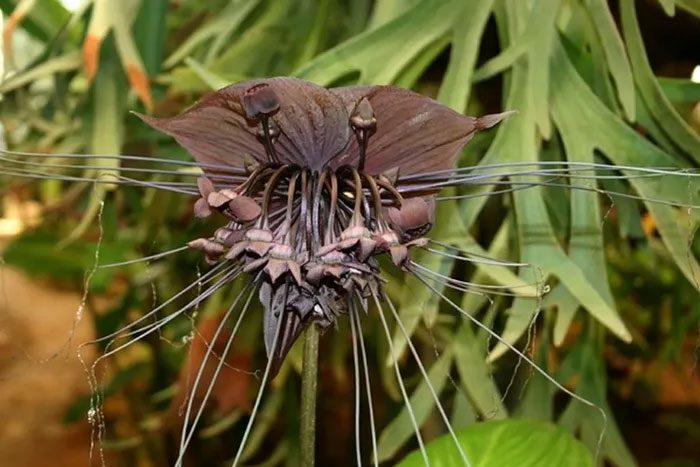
591	81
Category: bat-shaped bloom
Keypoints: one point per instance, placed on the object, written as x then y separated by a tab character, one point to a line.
311	185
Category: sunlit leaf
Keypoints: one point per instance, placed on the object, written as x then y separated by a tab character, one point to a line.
503	443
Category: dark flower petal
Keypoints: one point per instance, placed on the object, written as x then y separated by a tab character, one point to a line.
201	208
414	213
414	132
244	208
313	123
205	186
277	304
260	100
215	130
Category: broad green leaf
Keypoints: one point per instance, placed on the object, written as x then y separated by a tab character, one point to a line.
37	254
537	394
150	31
213	80
543	19
538	243
536	43
566	306
499	274
386	10
410	75
525	443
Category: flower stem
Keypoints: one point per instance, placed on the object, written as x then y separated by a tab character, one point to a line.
309	382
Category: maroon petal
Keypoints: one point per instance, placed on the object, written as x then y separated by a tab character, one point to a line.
215	130
414	213
205	186
201	208
244	208
414	133
313	124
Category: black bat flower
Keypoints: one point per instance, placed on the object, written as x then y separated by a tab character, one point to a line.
321	193
312	187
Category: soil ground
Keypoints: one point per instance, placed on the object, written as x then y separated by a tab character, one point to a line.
40	377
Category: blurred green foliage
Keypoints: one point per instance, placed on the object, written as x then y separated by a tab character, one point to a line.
577	73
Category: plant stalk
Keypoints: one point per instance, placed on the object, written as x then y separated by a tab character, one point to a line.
309	383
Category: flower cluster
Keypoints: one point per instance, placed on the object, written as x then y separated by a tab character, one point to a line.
311	184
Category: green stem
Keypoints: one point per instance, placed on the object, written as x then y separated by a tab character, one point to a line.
309	382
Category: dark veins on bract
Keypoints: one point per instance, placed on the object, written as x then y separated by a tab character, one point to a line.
308	180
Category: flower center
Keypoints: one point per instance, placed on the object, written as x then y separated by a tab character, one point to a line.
319	231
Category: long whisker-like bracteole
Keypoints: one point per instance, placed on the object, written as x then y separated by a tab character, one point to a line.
470	257
97	397
572	171
558	166
18	164
263	382
144	331
521	355
471	287
355	323
207	277
356	378
414	352
517	185
217	168
186	435
399	379
104	178
144	258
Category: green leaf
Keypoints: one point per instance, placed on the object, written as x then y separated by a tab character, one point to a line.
43	21
225	23
585	362
615	54
580	110
379	55
422	401
475	374
467	32
68	62
659	105
149	33
505	443
107	135
37	254
669	6
691	6
680	90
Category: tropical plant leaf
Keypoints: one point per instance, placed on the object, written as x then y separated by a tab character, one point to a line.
503	443
400	430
